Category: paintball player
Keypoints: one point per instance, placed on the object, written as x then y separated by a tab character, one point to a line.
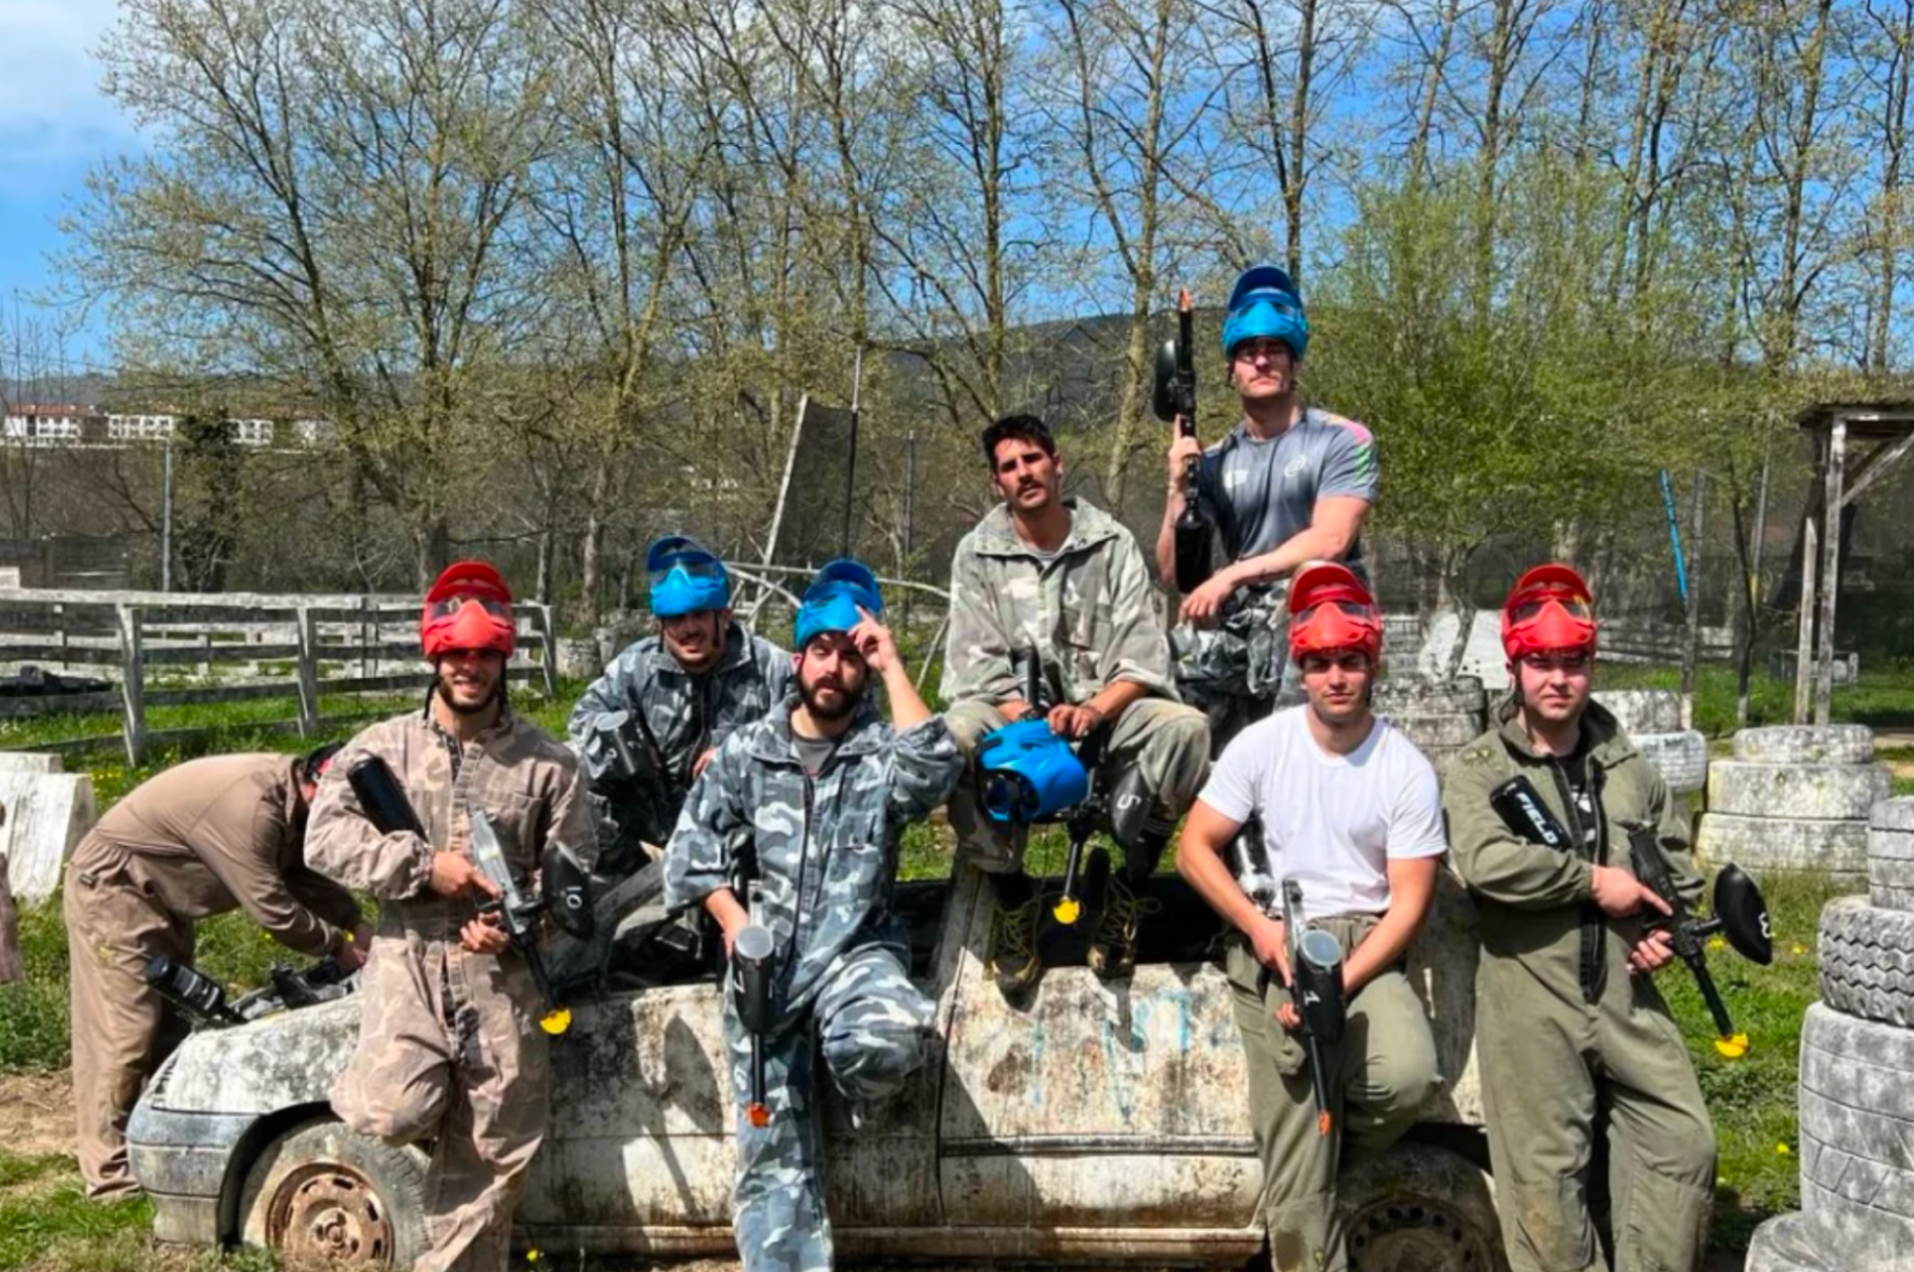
668	701
1066	579
1567	1015
1290	483
799	816
203	838
449	1050
1350	811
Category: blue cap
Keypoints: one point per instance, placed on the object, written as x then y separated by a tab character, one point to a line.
834	597
1264	303
685	577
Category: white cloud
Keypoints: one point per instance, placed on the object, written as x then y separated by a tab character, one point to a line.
52	113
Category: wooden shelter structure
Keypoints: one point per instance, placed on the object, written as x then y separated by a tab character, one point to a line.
1886	429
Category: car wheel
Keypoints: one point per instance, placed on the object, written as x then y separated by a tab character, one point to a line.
1420	1208
322	1192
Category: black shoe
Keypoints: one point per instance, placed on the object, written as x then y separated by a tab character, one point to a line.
1013	961
1113	950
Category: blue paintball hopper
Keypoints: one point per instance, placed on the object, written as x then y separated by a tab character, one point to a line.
686	577
1030	774
832	601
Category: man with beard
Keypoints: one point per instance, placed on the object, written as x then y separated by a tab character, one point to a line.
802	813
1057	576
1350	811
1290	483
648	726
448	1051
1569	1026
206	837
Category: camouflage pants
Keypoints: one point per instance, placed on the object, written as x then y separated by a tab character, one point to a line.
871	1026
1381	1075
450	1050
1239	671
1168	741
122	1029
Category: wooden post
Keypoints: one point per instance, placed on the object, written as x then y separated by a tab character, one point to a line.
1830	572
548	640
1804	643
132	685
308	673
368	633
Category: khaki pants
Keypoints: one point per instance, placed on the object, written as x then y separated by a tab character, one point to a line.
1381	1074
1546	1064
121	1028
450	1049
1168	741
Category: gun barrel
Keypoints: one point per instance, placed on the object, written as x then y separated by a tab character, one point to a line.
1068	907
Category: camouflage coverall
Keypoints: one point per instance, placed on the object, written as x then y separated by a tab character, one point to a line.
1091	615
686	714
205	837
1553	1042
449	1045
1238	671
826	850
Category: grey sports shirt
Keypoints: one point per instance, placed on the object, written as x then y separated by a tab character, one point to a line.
1264	492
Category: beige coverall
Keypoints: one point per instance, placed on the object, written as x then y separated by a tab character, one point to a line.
449	1044
203	838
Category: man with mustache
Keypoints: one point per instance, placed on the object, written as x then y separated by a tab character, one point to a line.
802	812
1054	575
1290	483
648	726
1568	1020
1350	811
448	1048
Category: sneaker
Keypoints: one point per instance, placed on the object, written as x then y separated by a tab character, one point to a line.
1113	949
1013	960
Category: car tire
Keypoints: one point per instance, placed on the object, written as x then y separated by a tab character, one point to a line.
1806	744
1867	961
1857	1135
1641	711
1453	730
322	1192
1783	843
1681	757
1807	791
1785	1243
1890	854
1410	696
1420	1206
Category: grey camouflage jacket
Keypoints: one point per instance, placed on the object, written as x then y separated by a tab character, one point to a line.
687	715
1089	610
826	847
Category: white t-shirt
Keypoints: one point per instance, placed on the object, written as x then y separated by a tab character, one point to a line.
1332	822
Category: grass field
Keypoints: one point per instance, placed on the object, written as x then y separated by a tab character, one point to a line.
43	1224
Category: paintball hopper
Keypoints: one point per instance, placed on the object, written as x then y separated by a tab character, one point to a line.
1173	390
1741	916
567	893
189	989
1030	774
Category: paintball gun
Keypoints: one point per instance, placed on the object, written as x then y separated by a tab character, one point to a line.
1315	986
566	895
1174	402
752	975
642	757
203	1000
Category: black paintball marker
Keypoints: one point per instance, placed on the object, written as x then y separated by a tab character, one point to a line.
1315	986
1174	402
566	895
203	1000
642	758
751	984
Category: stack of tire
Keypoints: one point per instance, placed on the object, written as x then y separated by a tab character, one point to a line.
1857	1077
1439	717
1652	720
1794	797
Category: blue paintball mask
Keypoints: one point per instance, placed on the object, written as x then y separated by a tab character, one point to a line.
685	577
1029	773
832	601
1264	303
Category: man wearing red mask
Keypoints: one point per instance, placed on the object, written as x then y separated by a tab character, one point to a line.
449	1050
1568	1020
1348	810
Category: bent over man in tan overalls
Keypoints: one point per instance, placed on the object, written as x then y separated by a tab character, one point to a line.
449	1045
203	838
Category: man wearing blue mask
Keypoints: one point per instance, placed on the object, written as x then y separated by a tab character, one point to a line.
648	726
799	818
1290	483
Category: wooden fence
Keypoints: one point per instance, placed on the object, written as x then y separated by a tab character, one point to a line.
170	648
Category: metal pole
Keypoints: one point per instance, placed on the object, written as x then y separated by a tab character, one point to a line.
850	469
166	517
1674	535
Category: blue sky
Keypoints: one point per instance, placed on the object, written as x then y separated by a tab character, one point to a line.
54	125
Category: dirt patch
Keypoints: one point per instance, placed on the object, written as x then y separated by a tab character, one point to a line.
37	1110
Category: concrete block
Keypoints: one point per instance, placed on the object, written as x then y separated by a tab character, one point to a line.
1794	789
47	815
1806	744
1781	843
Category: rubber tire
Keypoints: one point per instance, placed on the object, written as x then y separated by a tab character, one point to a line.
1890	854
1857	1136
1760	844
1681	758
1436	731
1643	710
1800	791
1786	1243
1867	961
1420	1199
396	1177
1411	696
1806	744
